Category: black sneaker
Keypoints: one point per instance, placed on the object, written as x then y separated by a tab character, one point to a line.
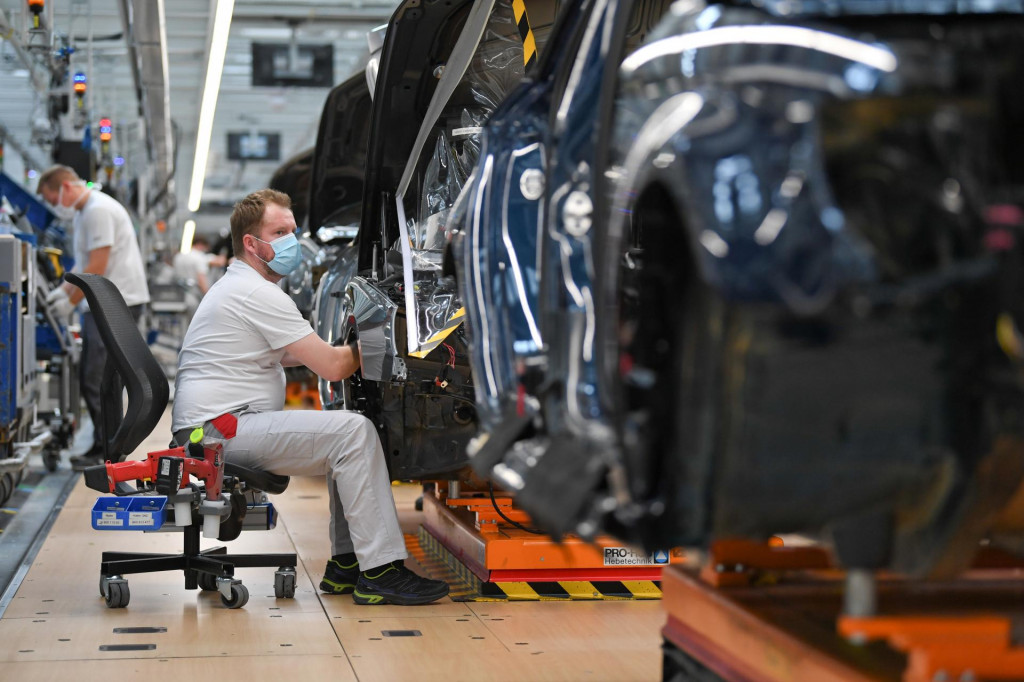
395	584
339	579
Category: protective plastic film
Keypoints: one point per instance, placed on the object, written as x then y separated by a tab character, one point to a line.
496	67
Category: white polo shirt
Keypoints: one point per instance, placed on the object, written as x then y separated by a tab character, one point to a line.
102	221
231	355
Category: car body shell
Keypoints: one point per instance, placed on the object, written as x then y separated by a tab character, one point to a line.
801	358
415	383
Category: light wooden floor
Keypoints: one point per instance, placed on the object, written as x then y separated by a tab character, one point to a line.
56	624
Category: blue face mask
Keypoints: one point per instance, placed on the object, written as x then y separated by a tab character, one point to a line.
287	254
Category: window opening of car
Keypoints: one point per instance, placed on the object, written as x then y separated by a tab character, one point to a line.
487	61
339	163
542	14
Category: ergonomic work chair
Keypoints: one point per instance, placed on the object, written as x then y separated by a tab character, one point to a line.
131	365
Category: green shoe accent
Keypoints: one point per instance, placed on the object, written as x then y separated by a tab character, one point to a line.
336	588
385	571
342	566
342	578
361	598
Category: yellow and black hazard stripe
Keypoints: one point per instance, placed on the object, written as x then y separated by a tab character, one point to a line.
466	586
435	340
526	33
563	590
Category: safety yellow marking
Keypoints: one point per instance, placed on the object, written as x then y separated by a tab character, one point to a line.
643	589
450	325
529	47
525	32
581	589
521	591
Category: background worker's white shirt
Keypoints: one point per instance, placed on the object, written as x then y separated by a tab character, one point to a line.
102	221
231	355
188	266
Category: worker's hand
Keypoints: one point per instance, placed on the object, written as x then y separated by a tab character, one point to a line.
56	293
59	305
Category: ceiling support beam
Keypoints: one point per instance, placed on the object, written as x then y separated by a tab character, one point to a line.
31	160
146	37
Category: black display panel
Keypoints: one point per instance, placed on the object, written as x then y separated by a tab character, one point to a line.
254	146
71	153
277	64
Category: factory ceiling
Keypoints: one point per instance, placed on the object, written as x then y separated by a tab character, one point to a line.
145	62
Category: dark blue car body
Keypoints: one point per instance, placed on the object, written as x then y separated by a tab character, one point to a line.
756	271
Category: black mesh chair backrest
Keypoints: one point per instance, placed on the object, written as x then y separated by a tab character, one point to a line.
129	363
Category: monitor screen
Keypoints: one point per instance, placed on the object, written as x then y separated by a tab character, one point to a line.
254	146
277	64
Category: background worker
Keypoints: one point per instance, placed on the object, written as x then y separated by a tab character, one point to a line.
192	271
193	268
245	331
105	244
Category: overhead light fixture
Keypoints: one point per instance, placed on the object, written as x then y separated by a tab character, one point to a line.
208	107
188	231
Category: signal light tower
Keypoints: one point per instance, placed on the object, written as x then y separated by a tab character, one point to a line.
36	7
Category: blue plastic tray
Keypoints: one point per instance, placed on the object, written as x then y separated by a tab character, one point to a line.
129	513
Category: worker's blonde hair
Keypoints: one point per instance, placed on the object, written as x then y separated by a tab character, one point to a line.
248	215
54	176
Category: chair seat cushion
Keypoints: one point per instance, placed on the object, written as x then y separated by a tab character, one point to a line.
256	478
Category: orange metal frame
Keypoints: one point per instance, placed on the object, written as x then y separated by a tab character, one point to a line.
738	562
762	612
737	642
945	647
495	551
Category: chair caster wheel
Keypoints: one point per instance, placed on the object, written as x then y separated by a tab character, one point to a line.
239	596
207	582
115	591
284	583
105	580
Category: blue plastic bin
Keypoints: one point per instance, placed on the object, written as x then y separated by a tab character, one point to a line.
129	513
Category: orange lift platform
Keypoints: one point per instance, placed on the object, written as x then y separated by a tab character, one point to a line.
476	538
760	613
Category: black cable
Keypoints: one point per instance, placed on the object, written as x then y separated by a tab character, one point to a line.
175	134
520	526
96	39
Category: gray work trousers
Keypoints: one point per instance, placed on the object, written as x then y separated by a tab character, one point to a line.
345	448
